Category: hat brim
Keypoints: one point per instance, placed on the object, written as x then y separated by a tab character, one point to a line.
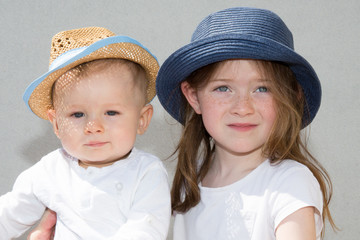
37	96
232	46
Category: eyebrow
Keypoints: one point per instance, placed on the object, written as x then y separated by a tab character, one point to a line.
231	79
263	80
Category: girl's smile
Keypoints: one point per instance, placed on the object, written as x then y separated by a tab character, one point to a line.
242	126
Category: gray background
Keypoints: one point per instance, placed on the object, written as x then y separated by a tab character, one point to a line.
326	33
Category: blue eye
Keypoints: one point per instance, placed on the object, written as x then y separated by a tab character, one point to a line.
262	89
112	113
222	89
78	114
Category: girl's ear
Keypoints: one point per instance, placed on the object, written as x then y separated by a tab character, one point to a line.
52	118
191	96
145	118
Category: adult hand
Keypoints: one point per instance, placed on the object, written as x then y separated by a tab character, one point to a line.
46	227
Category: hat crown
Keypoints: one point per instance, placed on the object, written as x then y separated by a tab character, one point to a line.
77	38
236	33
244	21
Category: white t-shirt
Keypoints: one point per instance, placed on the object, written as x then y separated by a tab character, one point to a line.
252	207
128	200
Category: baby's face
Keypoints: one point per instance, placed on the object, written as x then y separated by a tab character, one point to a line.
98	116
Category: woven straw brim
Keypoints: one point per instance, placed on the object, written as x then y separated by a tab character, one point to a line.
232	46
38	94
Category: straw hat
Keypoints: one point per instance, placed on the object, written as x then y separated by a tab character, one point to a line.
74	47
236	33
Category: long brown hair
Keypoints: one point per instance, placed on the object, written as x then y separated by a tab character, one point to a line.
285	140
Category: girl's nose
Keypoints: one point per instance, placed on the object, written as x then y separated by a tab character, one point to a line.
94	126
242	105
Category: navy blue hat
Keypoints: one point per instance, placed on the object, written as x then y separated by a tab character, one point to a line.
236	33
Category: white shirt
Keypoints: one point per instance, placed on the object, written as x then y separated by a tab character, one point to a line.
128	200
252	207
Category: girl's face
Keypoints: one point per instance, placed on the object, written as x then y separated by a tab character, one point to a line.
237	107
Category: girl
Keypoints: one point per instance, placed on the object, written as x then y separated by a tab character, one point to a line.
243	96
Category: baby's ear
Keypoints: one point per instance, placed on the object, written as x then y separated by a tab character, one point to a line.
145	118
52	118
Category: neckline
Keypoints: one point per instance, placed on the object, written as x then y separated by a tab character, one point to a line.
102	165
238	182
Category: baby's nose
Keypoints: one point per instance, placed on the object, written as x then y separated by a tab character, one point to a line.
94	126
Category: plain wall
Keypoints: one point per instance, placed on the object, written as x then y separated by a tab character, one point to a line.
326	33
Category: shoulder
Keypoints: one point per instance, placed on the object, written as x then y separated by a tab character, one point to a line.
144	161
290	170
140	154
60	152
47	160
145	171
292	177
36	173
294	187
288	165
284	173
55	159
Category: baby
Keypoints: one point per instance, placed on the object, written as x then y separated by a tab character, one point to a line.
96	97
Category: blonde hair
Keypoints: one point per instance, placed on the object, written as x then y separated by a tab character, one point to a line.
284	142
106	64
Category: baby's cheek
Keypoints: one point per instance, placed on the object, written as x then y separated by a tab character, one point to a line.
67	127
